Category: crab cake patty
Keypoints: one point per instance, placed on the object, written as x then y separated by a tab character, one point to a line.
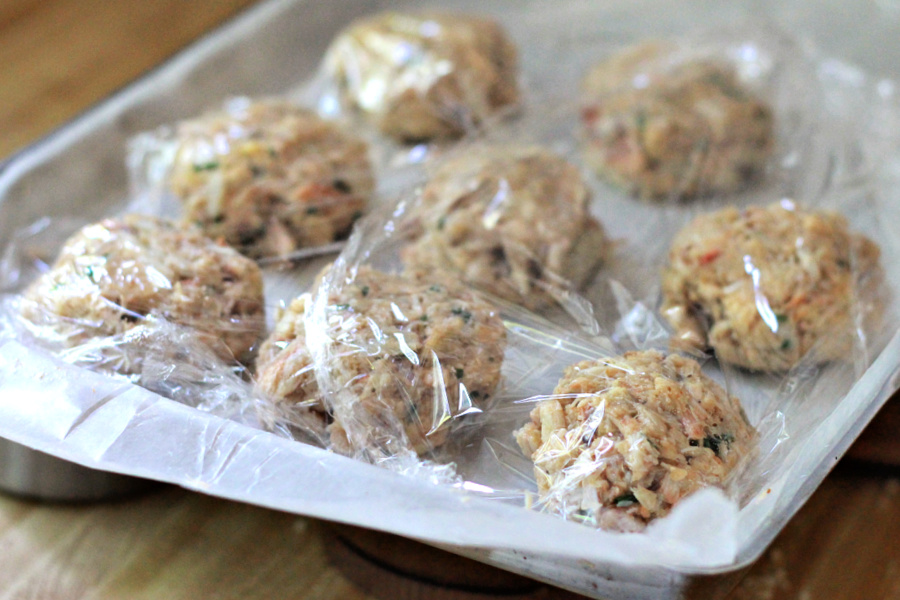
512	221
420	76
766	286
660	130
410	356
269	177
112	273
623	439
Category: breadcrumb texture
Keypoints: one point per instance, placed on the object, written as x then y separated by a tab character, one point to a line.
269	177
420	76
510	220
767	286
622	440
662	130
112	274
407	357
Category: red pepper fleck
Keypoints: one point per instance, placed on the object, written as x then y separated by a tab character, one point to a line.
590	114
710	256
317	190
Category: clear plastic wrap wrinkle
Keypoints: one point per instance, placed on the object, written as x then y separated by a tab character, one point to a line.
207	453
143	301
623	439
270	178
419	76
660	127
509	219
769	287
400	384
405	363
415	418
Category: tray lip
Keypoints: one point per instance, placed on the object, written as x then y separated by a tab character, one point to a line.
20	157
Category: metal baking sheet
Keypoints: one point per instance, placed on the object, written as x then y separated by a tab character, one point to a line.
79	172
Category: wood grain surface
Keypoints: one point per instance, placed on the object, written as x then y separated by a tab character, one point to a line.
57	57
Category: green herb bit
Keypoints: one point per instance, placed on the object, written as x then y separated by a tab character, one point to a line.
716	79
460	373
412	413
311	210
786	344
715	441
365	291
461	312
342	307
582	514
781	317
246	238
435	288
641	123
341	186
424	318
441	223
207	166
90	273
626	499
725	85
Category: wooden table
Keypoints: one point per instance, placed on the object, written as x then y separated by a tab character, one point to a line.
59	56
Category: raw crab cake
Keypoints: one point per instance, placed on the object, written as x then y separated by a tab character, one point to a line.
407	356
662	130
513	221
269	177
419	76
766	286
624	439
112	273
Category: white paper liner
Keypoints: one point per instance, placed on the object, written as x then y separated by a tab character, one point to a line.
98	422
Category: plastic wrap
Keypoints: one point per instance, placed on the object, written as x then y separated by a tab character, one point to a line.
266	176
478	218
511	220
417	76
726	111
423	420
767	287
394	360
659	125
400	351
144	300
390	391
621	440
